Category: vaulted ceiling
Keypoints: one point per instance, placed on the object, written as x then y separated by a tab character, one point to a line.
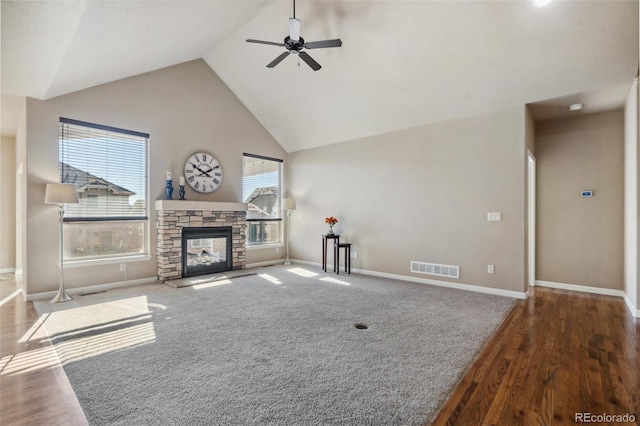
402	63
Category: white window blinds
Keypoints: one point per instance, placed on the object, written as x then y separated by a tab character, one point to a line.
261	186
108	166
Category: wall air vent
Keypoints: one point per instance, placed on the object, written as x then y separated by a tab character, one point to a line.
448	271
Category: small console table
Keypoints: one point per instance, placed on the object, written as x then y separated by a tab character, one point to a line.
336	243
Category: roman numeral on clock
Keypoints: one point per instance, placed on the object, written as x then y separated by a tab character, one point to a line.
191	178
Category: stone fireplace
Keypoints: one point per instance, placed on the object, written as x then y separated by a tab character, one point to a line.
209	223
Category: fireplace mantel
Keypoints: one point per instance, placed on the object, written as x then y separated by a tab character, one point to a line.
200	205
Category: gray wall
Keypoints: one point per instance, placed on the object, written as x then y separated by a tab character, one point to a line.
580	240
8	204
420	194
185	108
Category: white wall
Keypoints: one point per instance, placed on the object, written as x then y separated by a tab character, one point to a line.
21	198
8	204
421	194
631	211
185	108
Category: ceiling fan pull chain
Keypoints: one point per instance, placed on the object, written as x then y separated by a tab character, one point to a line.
294	8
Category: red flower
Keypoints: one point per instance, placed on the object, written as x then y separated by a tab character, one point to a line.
330	220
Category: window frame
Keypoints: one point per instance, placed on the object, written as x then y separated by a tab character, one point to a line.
262	221
143	255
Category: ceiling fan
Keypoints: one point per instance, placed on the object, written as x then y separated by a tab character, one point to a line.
294	44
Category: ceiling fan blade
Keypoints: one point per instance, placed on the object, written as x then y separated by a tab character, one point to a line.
265	42
310	61
324	43
277	60
294	29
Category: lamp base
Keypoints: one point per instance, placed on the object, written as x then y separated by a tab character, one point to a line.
287	262
62	296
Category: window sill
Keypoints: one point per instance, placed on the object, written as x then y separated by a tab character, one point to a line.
106	261
264	246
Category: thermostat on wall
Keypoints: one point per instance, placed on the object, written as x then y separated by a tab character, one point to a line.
586	193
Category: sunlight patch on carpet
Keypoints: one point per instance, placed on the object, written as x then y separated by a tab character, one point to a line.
302	272
334	281
270	278
95	329
211	284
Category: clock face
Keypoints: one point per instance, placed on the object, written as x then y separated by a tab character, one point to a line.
203	172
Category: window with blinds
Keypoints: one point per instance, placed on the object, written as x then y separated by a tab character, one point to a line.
108	166
261	190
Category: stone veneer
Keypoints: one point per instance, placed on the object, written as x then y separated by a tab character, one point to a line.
172	216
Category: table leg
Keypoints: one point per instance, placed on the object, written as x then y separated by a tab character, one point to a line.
336	256
324	254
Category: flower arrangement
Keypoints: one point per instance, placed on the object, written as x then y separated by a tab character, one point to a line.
330	221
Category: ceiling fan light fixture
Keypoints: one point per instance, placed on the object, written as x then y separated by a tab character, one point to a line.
576	107
294	29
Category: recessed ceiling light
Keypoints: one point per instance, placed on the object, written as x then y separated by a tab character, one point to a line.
575	107
541	3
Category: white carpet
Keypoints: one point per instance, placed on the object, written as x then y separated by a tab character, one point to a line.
279	348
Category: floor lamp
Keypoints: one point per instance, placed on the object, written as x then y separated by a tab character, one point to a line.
61	194
288	204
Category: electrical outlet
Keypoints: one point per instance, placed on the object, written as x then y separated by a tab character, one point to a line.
354	254
123	267
494	216
490	269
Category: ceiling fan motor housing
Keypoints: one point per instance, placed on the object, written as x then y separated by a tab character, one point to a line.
292	45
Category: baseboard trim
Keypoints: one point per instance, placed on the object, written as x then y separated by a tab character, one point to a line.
448	284
265	263
632	308
7	270
91	289
594	290
580	288
18	272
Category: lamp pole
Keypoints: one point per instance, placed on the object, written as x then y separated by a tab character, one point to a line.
61	194
288	262
62	295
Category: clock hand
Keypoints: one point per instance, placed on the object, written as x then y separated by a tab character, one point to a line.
208	171
202	172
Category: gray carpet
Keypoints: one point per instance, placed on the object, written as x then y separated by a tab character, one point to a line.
276	348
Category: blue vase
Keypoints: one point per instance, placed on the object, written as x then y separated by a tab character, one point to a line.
169	189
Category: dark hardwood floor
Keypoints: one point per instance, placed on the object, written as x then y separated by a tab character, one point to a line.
34	389
556	354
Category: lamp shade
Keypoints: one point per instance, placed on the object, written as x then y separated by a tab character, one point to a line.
289	204
61	193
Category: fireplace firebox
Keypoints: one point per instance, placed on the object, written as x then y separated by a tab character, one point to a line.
206	250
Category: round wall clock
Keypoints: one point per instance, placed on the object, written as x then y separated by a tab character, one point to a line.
203	172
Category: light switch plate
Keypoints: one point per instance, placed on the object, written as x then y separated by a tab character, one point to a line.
494	216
